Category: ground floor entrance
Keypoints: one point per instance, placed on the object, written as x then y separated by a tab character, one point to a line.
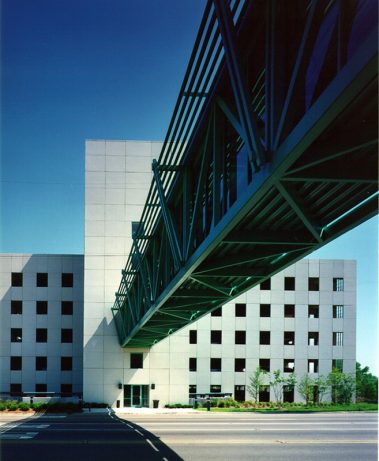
136	395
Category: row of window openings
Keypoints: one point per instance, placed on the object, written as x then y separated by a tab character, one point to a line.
42	279
41	335
265	337
264	364
15	389
41	363
313	284
289	311
42	307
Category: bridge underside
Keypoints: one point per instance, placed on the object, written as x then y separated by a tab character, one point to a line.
271	153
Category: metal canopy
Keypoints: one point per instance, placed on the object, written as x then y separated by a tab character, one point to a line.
270	154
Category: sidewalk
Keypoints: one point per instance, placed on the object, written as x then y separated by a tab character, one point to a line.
153	411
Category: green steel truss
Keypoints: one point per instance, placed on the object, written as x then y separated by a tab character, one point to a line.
271	153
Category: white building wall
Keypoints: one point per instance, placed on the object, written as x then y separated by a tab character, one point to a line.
27	348
118	176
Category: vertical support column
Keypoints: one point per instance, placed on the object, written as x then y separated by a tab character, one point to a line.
247	120
216	165
170	229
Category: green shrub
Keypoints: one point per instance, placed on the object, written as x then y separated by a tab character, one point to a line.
24	406
2	406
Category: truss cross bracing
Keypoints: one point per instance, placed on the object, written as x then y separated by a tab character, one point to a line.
271	153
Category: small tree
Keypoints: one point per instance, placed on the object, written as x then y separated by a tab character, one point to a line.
305	388
343	386
277	385
322	386
291	381
366	384
256	381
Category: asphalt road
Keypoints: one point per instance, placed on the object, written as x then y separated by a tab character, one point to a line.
190	437
266	437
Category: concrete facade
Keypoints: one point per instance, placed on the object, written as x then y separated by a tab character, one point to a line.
303	319
37	330
118	176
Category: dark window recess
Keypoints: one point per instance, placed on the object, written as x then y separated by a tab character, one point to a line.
15	389
41	363
239	393
16	307
239	365
192	364
289	310
313	284
41	388
66	390
313	366
338	311
337	338
136	360
41	307
217	312
240	337
192	388
313	311
288	365
16	335
215	388
41	335
67	280
16	279
289	283
66	335
240	310
265	285
264	337
215	364
66	307
193	337
337	364
66	363
265	310
313	338
264	364
216	336
16	363
288	394
42	279
135	226
338	284
289	338
264	393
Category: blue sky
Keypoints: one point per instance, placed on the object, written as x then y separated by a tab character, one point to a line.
81	69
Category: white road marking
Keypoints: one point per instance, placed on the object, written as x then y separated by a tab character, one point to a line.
129	425
152	445
138	432
17	435
164	459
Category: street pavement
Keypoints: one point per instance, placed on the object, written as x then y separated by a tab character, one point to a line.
268	437
196	436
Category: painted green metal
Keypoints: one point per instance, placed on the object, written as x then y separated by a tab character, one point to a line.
261	165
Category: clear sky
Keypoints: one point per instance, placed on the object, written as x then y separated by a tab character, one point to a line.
106	69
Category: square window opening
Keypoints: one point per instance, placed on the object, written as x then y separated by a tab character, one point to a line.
215	364
16	307
41	307
239	365
265	285
264	337
136	360
67	280
289	283
264	364
42	279
289	310
313	311
313	284
216	336
41	335
66	335
240	310
16	279
193	337
16	335
66	308
265	310
217	312
289	338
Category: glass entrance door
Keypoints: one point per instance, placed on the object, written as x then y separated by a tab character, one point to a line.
136	395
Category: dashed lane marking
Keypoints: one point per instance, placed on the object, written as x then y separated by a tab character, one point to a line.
138	432
18	435
152	445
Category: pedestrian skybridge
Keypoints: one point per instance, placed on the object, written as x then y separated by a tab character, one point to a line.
270	154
